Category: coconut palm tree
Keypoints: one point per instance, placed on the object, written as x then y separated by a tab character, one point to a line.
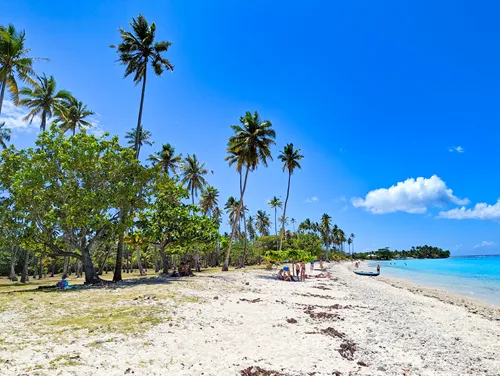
43	99
275	203
290	159
349	241
325	231
4	135
352	236
15	64
250	145
262	222
251	228
292	221
144	139
72	114
306	225
231	207
138	49
209	200
167	159
193	175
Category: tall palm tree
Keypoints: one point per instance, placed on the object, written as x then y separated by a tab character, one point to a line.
262	222
72	114
231	207
15	64
275	203
306	225
209	200
325	231
251	228
139	48
144	139
292	221
167	159
349	241
352	236
4	135
290	159
43	99
250	145
193	175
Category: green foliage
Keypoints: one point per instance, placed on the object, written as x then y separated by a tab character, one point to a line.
419	252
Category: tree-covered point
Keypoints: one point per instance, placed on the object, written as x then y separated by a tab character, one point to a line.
418	252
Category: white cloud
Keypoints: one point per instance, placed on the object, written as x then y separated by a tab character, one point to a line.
312	199
411	196
13	118
484	243
458	149
480	211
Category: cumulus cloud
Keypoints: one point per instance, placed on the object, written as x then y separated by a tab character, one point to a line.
312	199
480	211
457	149
410	196
13	118
484	243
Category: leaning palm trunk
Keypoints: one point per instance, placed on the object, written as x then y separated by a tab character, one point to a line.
2	93
284	213
235	224
138	130
244	225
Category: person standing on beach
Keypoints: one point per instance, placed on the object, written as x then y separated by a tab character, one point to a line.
378	268
303	272
297	269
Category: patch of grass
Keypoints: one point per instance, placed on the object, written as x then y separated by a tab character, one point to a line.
65	361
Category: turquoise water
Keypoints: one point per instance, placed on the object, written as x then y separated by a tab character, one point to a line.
475	276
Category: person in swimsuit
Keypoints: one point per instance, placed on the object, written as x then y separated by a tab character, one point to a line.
303	272
297	269
378	268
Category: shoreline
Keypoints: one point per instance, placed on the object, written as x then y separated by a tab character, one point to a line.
219	324
472	305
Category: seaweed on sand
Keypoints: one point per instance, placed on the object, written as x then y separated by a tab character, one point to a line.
347	349
259	371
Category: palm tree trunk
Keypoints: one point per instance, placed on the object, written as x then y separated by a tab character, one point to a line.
2	93
244	225
275	226
44	121
139	263
137	132
284	212
117	276
225	268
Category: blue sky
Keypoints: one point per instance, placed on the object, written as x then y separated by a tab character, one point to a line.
374	93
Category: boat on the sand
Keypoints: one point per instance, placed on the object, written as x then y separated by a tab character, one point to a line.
371	274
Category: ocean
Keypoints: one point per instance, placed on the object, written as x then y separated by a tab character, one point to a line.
473	276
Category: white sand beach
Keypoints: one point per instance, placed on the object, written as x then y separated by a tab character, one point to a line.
245	323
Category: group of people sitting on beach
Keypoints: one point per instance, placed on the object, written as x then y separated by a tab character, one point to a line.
300	272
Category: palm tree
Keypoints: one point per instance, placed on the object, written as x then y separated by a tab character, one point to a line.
193	175
250	145
4	135
292	221
352	241
43	99
137	49
349	241
275	203
290	159
305	225
231	207
144	137
14	62
71	115
325	229
251	227
167	159
262	222
209	200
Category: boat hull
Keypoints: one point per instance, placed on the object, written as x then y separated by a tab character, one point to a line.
369	274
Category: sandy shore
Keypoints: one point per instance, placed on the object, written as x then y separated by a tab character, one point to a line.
224	323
